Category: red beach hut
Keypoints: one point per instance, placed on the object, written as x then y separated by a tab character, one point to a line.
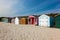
32	20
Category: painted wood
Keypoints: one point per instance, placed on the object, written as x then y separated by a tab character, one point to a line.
16	20
5	20
13	20
45	21
57	21
23	21
31	20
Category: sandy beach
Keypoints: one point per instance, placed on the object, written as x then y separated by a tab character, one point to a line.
27	32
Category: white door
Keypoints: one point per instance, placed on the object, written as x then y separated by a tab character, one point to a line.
44	21
16	20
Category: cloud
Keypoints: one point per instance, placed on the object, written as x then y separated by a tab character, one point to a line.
20	7
7	7
55	10
49	11
41	7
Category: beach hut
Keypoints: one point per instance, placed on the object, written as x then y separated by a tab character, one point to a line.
13	20
16	20
4	19
57	21
9	19
32	20
23	20
53	15
45	21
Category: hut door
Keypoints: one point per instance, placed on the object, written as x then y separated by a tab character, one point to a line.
16	20
45	22
32	20
12	21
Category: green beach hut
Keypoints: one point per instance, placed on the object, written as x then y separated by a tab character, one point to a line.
5	20
57	21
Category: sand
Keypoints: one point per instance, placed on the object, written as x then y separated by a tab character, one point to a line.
27	32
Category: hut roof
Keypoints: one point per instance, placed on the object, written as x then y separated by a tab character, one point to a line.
36	15
52	14
22	16
57	15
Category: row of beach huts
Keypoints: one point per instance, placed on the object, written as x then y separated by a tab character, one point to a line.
43	20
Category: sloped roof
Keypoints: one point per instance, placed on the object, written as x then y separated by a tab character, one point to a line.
53	14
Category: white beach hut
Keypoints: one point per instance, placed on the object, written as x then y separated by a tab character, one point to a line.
13	20
16	20
45	21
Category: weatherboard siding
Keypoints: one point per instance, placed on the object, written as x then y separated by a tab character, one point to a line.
57	21
46	21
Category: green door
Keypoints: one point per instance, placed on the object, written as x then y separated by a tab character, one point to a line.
57	22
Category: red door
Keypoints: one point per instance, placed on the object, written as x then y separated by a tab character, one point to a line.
33	21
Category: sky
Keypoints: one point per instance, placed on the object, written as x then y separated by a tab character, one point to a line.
28	7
